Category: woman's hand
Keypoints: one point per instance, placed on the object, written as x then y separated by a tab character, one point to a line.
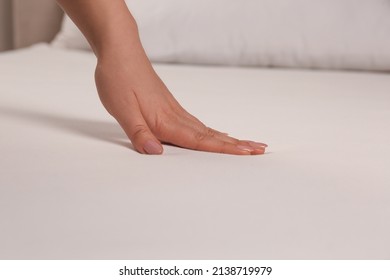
132	92
135	96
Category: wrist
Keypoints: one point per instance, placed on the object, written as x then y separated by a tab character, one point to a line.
119	41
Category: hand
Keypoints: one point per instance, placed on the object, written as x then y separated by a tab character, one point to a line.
136	97
132	92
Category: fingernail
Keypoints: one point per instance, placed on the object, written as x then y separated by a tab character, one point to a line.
257	144
152	148
245	148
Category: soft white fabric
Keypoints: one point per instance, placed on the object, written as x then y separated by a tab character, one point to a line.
71	187
346	34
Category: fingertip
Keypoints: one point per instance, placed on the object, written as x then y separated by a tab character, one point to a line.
244	148
151	147
258	152
250	150
257	144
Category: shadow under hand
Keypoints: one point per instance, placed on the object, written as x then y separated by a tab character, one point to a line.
105	131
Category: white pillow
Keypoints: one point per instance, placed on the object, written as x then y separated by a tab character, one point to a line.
332	34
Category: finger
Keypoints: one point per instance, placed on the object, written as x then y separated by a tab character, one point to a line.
213	144
225	137
256	144
136	128
202	140
196	123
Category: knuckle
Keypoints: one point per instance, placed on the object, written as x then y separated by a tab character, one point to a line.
210	132
199	136
198	139
139	130
203	133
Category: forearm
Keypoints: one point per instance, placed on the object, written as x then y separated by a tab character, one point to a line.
107	24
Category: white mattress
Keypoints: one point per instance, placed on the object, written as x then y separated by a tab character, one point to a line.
72	188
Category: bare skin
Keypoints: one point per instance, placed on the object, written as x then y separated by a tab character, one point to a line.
132	92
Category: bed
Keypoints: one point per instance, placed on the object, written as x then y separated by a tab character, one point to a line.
72	187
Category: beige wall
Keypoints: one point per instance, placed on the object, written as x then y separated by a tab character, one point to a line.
35	21
26	22
5	25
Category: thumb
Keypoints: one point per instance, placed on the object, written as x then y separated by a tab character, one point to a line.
133	123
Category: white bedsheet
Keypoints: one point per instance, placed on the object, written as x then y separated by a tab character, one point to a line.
71	186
